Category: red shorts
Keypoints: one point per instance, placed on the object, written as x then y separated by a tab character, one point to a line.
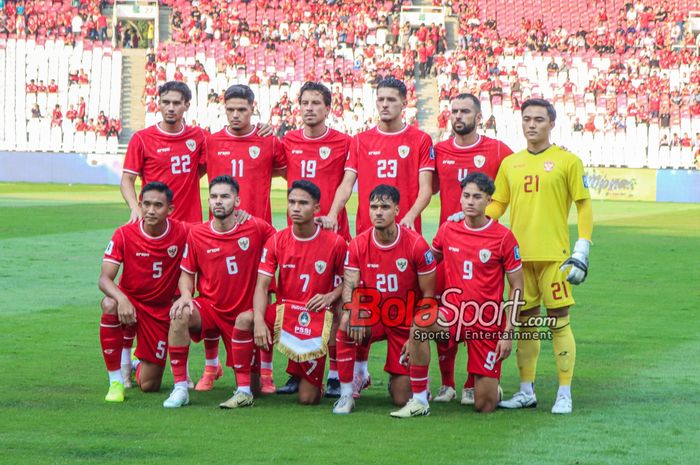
152	332
481	348
214	321
313	371
396	337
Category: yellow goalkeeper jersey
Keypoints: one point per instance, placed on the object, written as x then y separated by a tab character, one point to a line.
540	189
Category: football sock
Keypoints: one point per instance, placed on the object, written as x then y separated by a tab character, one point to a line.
345	351
138	374
211	350
242	350
244	389
564	346
126	356
266	358
564	391
115	375
446	358
111	341
528	352
345	389
419	382
361	367
361	360
128	342
332	363
178	363
469	383
527	388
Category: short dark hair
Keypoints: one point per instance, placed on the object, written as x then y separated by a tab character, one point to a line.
316	87
226	179
176	86
393	83
540	102
158	187
482	181
308	187
385	191
465	96
240	91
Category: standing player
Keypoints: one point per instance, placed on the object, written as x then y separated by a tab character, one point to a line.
398	263
239	150
467	152
317	153
149	252
392	153
477	253
223	256
539	184
310	263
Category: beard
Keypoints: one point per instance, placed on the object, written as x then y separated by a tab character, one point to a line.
465	129
222	215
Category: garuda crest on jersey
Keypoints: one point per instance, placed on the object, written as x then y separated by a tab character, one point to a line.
243	243
324	152
320	266
479	160
254	151
548	165
404	150
191	144
484	255
172	251
401	264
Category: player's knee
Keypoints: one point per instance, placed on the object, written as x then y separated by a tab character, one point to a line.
244	321
309	398
485	405
178	325
150	385
558	323
109	306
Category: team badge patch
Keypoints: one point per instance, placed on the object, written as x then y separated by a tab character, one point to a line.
484	255
243	243
304	319
191	144
320	266
402	264
516	252
254	151
432	152
404	150
324	152
479	160
548	165
585	181
172	251
109	248
429	257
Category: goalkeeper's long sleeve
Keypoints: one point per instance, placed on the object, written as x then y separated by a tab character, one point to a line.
496	209
585	219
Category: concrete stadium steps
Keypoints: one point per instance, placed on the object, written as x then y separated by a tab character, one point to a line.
133	83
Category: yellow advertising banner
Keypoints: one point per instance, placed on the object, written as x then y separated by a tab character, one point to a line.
622	183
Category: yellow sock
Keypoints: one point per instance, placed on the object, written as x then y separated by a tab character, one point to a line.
564	346
528	352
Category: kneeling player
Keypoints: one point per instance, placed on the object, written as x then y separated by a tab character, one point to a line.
310	262
150	251
223	255
398	269
477	253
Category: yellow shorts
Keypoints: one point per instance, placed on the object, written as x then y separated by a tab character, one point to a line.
545	283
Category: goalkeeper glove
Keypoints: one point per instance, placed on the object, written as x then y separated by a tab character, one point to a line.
578	262
456	217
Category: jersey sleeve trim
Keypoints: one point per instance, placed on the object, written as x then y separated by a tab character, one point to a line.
111	261
266	273
352	268
124	170
427	168
351	169
432	270
186	270
515	269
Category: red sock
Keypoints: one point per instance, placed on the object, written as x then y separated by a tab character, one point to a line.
129	336
178	362
469	383
266	358
333	363
362	353
419	378
111	335
242	350
446	359
345	351
138	374
211	346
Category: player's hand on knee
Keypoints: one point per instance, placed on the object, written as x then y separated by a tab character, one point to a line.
456	217
126	312
327	223
405	357
264	129
358	333
578	262
503	349
262	336
181	307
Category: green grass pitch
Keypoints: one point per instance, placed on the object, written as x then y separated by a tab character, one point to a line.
635	391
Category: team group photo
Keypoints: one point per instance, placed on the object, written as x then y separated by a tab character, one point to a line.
261	228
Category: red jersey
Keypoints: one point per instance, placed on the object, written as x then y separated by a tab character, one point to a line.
475	262
150	265
395	159
250	159
320	160
173	159
454	162
226	262
391	269
308	266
